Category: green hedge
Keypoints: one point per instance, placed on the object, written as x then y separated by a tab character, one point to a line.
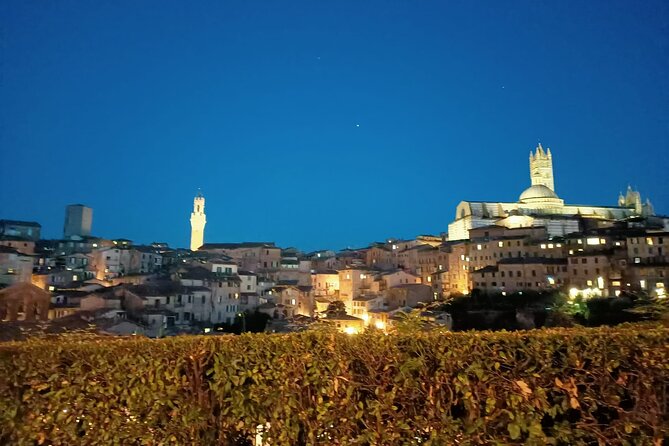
567	386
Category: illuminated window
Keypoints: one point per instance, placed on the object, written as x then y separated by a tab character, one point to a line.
363	276
589	282
550	246
615	283
642	283
500	244
478	247
543	246
592	241
649	240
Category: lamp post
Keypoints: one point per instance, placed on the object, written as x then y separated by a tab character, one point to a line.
243	316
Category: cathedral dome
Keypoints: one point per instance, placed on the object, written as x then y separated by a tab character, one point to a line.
538	192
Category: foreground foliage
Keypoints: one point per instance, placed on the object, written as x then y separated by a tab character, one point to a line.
558	386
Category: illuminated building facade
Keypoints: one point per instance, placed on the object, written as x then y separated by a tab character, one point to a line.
539	205
198	220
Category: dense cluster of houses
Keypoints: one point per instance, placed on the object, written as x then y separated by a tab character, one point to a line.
157	290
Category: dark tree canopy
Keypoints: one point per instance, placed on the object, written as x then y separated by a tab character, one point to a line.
336	308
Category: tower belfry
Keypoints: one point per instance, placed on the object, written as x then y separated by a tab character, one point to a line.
541	168
197	221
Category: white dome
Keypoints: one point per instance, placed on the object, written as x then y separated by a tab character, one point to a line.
538	192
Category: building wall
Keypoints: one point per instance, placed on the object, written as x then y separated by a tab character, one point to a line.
78	221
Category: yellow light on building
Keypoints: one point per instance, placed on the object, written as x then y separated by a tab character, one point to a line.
380	325
600	282
350	330
573	292
365	317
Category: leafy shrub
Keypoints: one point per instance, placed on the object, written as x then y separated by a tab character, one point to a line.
558	386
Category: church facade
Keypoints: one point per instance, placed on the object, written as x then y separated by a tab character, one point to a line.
539	205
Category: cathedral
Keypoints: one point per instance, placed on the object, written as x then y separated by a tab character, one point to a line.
539	205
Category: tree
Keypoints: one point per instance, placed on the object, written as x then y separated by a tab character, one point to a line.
651	308
336	308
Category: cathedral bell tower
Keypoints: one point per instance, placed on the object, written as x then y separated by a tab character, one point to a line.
197	221
541	168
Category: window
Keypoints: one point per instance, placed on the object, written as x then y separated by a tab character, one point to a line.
584	260
202	299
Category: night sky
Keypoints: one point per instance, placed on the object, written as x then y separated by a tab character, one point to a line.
323	124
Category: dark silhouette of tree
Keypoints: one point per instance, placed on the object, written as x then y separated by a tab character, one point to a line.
336	308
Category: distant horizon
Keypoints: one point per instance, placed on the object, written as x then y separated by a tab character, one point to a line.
282	245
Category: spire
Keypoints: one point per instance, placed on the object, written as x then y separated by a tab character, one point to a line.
540	150
548	152
199	193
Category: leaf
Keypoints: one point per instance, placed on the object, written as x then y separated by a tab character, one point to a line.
524	387
573	402
514	431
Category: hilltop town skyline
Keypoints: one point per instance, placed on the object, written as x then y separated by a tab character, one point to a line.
214	227
323	125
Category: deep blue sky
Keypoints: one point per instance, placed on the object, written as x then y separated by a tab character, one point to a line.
323	124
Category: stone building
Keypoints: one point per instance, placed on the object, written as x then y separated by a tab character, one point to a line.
539	205
198	220
29	230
